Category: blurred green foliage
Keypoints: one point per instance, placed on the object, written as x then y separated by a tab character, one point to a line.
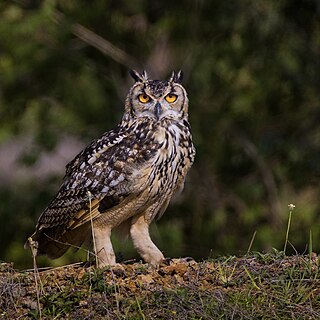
252	70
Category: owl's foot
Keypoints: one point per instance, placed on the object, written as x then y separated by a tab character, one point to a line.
169	261
140	236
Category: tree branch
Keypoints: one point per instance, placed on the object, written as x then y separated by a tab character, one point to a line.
267	178
101	44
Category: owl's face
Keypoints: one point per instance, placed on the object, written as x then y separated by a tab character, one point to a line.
157	100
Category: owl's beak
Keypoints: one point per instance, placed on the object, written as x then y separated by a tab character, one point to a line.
158	110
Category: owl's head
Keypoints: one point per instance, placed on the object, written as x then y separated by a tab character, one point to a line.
155	99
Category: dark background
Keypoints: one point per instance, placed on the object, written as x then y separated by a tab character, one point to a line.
252	74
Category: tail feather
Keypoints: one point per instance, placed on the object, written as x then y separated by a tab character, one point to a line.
47	242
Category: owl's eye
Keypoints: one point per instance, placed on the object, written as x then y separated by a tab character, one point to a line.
143	98
171	98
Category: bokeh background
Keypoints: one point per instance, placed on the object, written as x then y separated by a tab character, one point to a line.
252	71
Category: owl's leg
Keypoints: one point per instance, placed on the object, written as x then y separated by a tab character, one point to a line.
139	233
103	246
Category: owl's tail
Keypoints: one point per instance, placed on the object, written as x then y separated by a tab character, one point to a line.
54	243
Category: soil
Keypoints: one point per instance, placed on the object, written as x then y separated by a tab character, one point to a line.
177	289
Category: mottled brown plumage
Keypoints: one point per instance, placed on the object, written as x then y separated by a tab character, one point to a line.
127	176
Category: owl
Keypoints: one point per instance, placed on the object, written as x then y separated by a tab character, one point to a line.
126	178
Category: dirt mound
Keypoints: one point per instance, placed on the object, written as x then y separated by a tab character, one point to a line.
256	287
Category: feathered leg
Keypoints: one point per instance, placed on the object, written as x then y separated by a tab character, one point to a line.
103	246
139	233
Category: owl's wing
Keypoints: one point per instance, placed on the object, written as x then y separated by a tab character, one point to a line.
99	178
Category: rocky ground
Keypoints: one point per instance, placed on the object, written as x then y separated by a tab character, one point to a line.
260	286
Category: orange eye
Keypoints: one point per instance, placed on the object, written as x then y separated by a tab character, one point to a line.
143	98
171	98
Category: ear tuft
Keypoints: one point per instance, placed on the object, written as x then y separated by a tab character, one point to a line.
176	77
139	77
